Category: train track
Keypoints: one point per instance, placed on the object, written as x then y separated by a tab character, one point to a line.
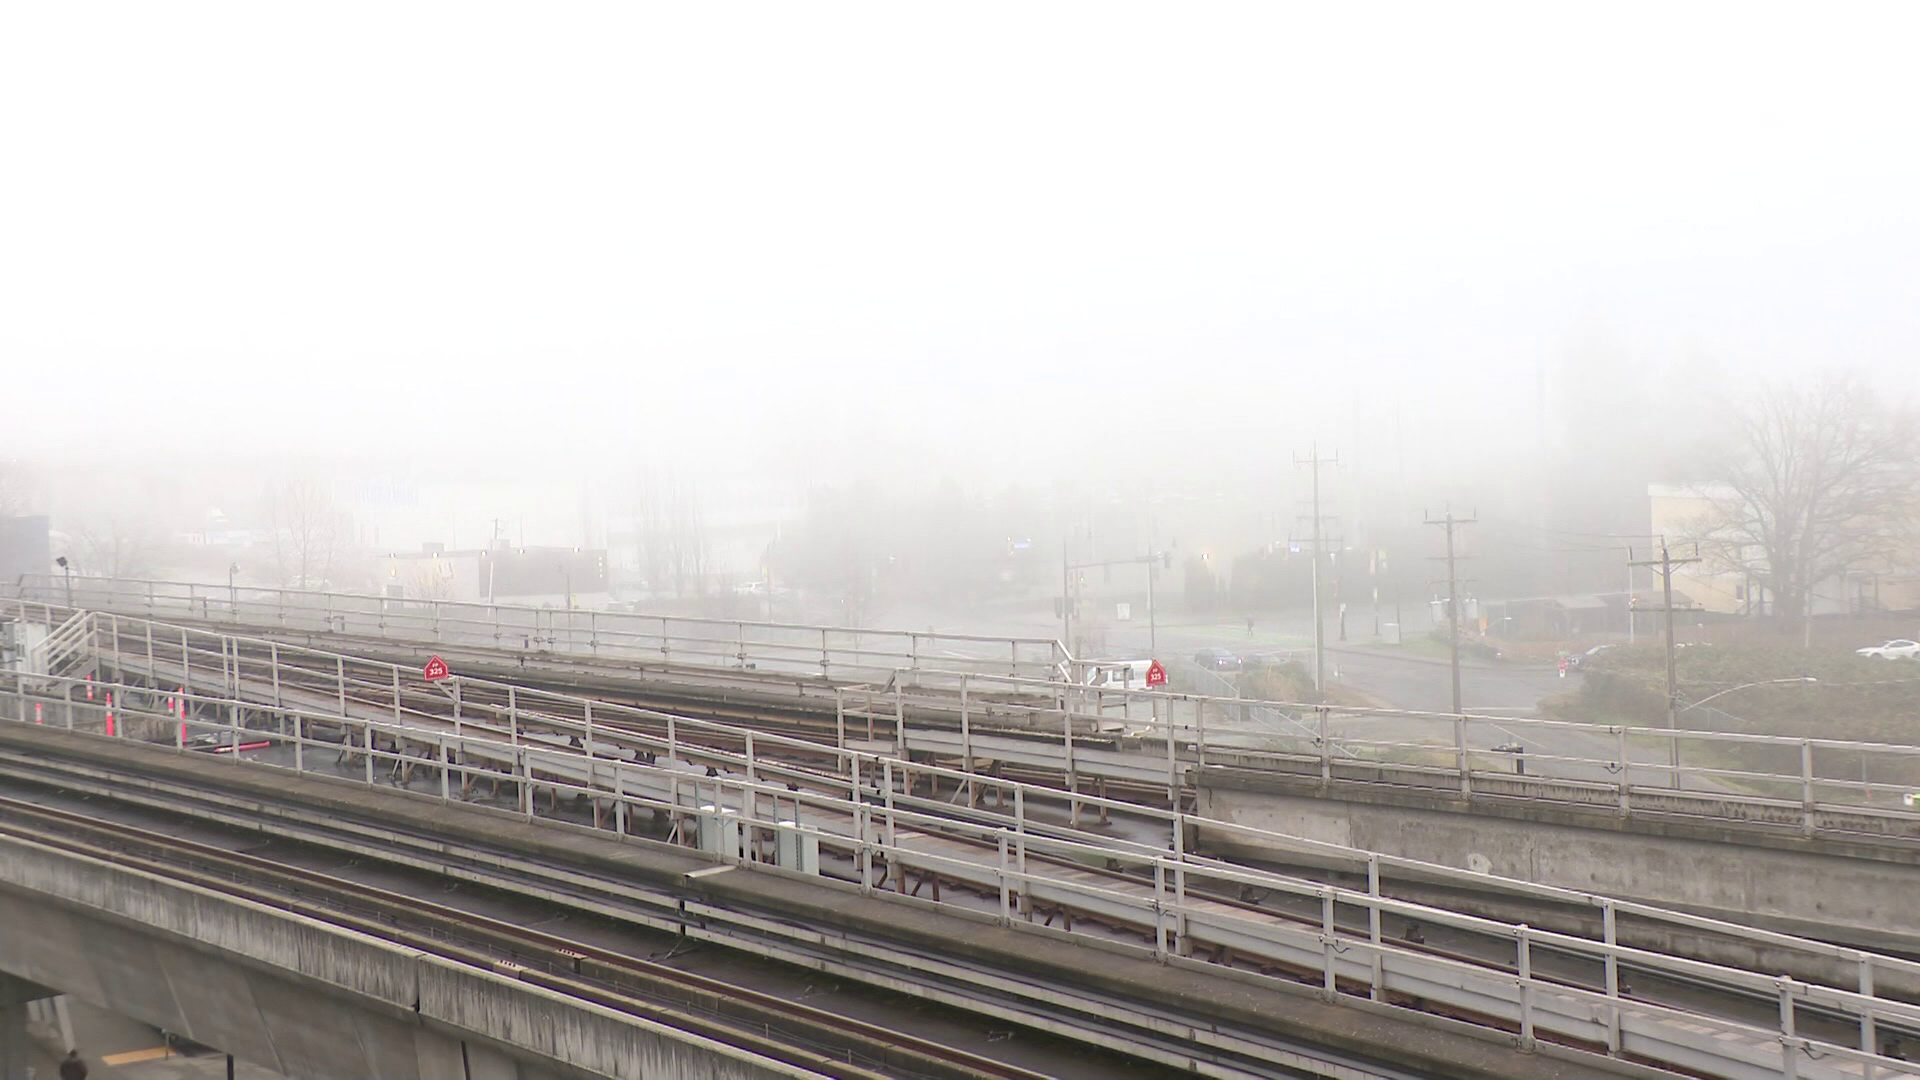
620	980
822	1042
1165	1041
483	699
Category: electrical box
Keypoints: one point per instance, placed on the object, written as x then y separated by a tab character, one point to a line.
796	848
720	832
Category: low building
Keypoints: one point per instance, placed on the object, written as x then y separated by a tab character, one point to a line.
1559	618
26	547
1683	513
537	576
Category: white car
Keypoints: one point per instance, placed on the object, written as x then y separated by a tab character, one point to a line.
1898	649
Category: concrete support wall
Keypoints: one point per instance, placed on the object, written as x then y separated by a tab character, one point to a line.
306	999
16	994
1802	887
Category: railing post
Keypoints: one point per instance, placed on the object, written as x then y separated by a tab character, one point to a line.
1006	893
673	740
899	717
1199	733
840	717
1609	935
1789	1039
396	693
886	767
1626	768
1326	749
1460	754
1524	944
966	741
1379	992
1173	764
1868	1036
340	673
620	825
1329	976
586	708
1073	775
863	828
1159	909
1806	786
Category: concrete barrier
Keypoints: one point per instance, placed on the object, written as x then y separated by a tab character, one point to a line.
312	1000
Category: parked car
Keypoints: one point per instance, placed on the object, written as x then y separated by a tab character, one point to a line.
1897	649
1582	659
1217	660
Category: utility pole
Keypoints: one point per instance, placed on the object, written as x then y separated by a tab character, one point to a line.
1314	461
1665	564
1066	596
1449	522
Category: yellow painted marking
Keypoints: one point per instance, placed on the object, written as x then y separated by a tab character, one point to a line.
151	1053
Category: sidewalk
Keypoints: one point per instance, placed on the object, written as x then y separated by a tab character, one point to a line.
116	1047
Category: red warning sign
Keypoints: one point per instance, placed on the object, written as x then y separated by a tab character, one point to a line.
436	669
1156	674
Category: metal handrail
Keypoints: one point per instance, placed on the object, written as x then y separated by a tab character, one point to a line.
871	828
696	639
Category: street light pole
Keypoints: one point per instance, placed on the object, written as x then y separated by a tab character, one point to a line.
1743	686
1153	631
67	569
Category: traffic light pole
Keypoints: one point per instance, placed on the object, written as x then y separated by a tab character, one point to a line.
1068	569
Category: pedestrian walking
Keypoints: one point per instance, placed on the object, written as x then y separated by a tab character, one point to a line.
1249	626
72	1068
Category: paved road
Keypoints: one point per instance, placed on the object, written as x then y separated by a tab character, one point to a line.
1413	676
122	1049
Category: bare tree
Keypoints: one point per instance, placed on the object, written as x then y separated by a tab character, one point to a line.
1812	482
670	535
306	533
116	548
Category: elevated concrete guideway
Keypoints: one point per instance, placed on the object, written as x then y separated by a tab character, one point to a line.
1036	868
846	935
845	654
1736	844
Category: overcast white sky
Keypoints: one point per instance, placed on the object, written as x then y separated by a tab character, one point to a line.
753	235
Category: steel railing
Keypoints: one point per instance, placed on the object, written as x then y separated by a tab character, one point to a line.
864	811
832	651
1811	784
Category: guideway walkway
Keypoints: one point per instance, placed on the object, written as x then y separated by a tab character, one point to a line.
883	681
835	813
